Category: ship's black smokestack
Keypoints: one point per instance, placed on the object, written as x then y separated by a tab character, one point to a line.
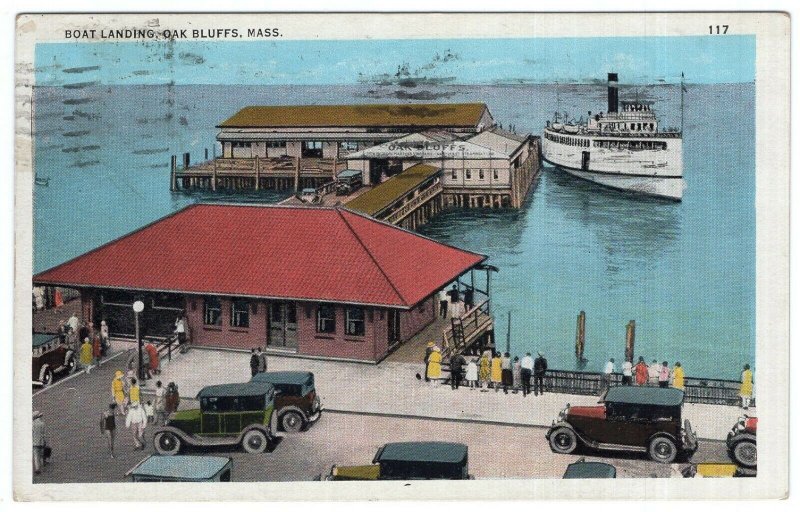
613	93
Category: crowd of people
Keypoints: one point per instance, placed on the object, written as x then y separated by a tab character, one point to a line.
490	370
127	401
88	342
258	361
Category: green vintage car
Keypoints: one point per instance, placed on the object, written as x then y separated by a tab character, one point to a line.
229	415
182	468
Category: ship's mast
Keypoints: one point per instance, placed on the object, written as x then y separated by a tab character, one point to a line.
683	88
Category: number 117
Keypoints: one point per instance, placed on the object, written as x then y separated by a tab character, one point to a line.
718	29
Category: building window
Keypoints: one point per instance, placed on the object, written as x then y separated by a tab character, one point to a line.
240	144
326	319
495	175
311	149
275	144
354	322
348	145
212	311
481	174
454	174
240	313
467	174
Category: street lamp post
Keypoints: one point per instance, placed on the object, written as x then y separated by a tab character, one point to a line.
138	307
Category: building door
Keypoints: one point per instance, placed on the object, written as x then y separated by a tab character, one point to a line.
585	161
394	327
283	325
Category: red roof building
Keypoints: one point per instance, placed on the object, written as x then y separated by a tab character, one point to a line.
316	280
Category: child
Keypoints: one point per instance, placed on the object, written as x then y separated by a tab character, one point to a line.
148	410
472	373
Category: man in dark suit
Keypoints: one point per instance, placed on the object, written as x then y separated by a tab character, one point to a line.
539	369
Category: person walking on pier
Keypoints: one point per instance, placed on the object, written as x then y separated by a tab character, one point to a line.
472	373
137	420
435	366
262	361
605	383
663	375
86	357
497	371
516	374
457	363
428	351
444	303
640	372
527	370
172	399
678	377
653	371
507	375
539	369
118	391
484	370
104	337
160	404
746	389
627	373
39	442
108	425
253	362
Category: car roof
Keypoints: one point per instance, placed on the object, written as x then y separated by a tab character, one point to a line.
240	389
309	190
645	395
299	378
185	467
583	469
428	451
348	173
41	339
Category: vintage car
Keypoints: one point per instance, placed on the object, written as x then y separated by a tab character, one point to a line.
50	357
182	468
296	402
582	470
742	442
629	419
348	181
429	460
716	470
229	414
309	195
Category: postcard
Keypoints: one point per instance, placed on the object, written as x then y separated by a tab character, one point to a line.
401	256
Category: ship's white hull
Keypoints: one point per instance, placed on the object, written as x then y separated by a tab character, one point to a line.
669	188
656	172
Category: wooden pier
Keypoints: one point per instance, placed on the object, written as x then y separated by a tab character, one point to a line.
281	173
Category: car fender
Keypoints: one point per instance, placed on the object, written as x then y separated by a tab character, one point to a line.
294	408
255	426
668	436
559	424
183	436
744	436
42	371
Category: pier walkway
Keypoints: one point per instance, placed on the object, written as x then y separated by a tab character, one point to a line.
392	389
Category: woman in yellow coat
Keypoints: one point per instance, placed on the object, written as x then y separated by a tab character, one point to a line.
746	391
435	366
678	377
86	357
497	371
483	369
118	392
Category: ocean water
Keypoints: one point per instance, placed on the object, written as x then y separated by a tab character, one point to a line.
684	271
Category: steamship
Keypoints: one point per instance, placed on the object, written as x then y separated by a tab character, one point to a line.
621	149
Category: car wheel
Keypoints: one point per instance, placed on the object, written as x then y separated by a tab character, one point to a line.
662	449
292	421
167	443
744	453
69	364
47	377
563	440
254	441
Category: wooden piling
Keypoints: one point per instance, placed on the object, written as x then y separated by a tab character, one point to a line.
630	339
297	175
258	172
214	177
580	335
173	164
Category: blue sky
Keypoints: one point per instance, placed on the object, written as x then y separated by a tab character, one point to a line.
638	60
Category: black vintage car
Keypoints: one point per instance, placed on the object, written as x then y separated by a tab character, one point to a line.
427	460
51	357
296	401
630	419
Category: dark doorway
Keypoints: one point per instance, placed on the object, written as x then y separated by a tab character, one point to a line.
311	149
283	325
585	161
394	327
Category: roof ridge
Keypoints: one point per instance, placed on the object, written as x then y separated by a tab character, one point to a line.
371	256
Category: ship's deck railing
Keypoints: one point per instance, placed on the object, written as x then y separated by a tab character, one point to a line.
596	133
